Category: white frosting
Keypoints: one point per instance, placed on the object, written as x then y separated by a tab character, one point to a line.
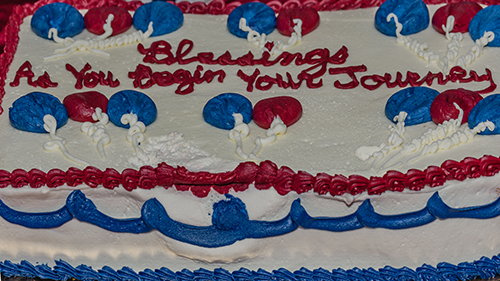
98	43
239	132
277	128
259	40
135	132
334	124
97	131
56	142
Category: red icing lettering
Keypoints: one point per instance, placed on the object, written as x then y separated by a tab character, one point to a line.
144	78
250	79
457	74
25	71
91	79
265	82
351	70
160	52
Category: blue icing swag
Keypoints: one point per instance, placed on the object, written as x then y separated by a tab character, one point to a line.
130	101
84	210
27	112
230	221
219	110
412	14
487	109
166	17
488	19
61	16
259	16
416	101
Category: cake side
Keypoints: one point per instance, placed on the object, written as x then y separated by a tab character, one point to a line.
153	250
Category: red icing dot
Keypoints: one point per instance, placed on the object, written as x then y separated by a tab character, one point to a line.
81	106
308	15
463	13
442	108
287	108
95	18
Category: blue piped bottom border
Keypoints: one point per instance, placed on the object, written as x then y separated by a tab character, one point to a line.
484	268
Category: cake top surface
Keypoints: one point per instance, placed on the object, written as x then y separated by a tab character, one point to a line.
341	109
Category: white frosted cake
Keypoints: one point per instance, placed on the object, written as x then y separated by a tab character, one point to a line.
306	204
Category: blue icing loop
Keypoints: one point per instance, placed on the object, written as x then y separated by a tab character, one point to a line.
416	101
84	210
487	109
27	112
488	19
166	17
369	218
61	16
130	101
226	228
219	110
36	220
259	17
338	224
412	14
438	208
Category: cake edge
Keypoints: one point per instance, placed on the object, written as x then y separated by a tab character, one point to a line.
181	178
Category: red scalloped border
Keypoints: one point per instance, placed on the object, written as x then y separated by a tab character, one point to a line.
263	176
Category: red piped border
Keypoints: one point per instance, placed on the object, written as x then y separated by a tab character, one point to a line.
264	176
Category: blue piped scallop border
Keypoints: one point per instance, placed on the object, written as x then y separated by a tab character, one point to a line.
484	268
230	221
225	213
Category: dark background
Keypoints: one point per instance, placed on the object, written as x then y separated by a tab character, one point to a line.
6	7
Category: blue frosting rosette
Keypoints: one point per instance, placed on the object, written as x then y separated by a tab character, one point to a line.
219	111
415	101
166	17
130	101
27	112
412	14
488	19
65	18
487	109
259	17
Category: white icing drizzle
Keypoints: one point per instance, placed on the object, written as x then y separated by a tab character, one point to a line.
56	142
239	132
413	44
99	43
394	140
97	131
476	50
448	60
453	45
135	132
277	128
443	137
459	137
260	40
